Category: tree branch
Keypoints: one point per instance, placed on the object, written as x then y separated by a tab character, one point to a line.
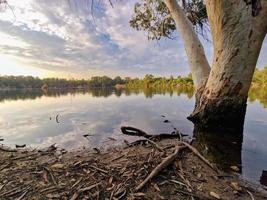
198	63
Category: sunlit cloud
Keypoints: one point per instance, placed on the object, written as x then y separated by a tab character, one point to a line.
61	39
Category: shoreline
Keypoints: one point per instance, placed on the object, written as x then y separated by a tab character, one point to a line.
115	173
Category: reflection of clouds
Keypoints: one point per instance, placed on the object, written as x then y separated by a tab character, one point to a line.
99	116
28	122
255	128
66	140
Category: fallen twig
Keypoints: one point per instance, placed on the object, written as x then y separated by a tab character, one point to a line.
2	186
77	193
7	150
23	195
251	195
155	145
22	157
193	194
5	166
101	170
51	175
196	152
165	162
76	183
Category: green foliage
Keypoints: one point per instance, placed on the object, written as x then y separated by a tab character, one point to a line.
260	76
20	82
258	89
153	17
149	81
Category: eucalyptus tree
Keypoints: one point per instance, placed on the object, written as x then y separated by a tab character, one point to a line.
237	27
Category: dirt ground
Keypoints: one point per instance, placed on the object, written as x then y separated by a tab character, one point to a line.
116	173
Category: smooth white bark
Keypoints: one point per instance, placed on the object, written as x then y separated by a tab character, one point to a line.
198	63
237	39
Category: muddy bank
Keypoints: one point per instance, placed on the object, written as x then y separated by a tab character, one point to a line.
118	173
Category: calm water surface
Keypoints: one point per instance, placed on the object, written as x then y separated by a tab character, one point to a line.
29	117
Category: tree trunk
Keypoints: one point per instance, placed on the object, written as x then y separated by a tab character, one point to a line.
238	30
198	63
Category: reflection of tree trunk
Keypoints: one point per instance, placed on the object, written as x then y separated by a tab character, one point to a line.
220	146
263	180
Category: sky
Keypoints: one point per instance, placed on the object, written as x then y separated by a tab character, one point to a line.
61	39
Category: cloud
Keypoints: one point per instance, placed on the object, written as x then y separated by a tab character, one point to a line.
66	37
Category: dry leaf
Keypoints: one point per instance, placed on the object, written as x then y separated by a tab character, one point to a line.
215	195
57	166
236	186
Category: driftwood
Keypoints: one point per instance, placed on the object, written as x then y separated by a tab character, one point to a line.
128	130
137	132
20	146
7	150
166	162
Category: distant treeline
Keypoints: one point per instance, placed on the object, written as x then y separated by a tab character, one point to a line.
22	82
258	90
149	81
260	77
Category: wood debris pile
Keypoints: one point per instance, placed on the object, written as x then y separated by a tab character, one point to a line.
165	169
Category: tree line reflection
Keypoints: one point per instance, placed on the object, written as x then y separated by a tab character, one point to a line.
9	95
259	94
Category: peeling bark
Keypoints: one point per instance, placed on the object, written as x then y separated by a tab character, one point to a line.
238	28
237	38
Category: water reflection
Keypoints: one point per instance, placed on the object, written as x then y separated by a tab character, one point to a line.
220	147
258	94
7	95
25	119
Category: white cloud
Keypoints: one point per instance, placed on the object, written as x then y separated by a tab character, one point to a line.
66	38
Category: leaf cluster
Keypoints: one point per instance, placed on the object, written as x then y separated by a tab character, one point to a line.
153	17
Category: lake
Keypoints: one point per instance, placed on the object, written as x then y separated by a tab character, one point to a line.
39	120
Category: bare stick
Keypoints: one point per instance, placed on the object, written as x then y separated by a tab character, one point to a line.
7	150
155	145
76	194
51	175
251	195
101	170
165	162
196	152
